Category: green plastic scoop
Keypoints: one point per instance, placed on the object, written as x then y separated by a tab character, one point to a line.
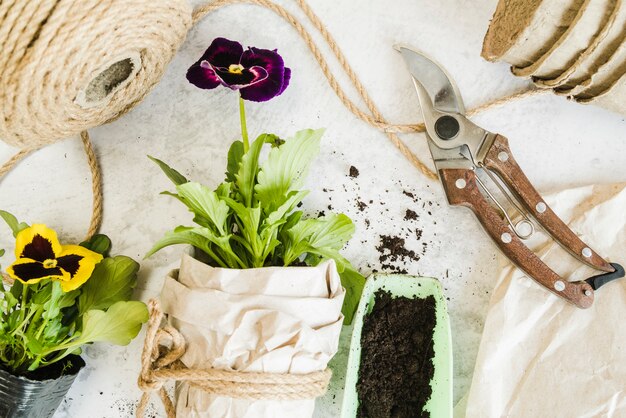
440	403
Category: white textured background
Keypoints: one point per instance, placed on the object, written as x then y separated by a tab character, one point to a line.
558	143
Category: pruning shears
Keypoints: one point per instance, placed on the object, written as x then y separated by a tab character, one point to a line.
467	158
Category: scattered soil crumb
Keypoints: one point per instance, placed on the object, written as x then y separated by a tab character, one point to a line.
392	249
410	215
354	172
361	205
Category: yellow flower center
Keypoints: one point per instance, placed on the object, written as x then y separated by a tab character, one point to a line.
235	68
50	264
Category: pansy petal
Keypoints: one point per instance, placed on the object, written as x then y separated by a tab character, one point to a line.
202	75
79	263
37	242
223	52
286	79
70	263
29	271
245	78
275	67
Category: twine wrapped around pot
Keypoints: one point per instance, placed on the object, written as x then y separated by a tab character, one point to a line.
160	363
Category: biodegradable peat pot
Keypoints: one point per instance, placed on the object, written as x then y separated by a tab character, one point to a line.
271	319
522	31
40	394
581	33
439	403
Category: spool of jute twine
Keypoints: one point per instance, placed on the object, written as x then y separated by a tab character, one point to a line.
70	65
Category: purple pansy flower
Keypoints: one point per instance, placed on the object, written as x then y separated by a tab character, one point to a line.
258	74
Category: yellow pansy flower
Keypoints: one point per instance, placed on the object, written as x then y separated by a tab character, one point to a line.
39	256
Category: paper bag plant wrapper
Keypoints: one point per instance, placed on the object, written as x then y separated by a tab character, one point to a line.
56	299
267	286
272	319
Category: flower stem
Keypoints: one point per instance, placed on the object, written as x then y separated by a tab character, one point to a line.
244	129
23	302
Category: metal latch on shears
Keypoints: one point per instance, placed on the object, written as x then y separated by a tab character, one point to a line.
460	149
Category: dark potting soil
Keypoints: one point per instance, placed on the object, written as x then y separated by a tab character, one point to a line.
396	357
70	366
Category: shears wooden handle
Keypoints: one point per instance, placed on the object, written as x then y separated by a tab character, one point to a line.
462	188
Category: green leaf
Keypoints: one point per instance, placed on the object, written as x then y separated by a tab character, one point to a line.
330	232
235	153
273	140
11	301
250	219
201	238
286	168
99	243
58	300
118	325
205	203
223	190
172	174
353	282
286	208
13	223
292	220
112	280
16	289
181	235
248	169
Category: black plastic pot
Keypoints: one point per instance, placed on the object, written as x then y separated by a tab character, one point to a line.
37	395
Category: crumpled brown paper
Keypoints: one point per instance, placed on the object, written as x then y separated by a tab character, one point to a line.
542	357
277	320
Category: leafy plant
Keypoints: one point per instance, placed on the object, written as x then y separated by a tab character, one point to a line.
252	218
49	312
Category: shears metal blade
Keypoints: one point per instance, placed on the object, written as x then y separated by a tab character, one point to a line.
469	159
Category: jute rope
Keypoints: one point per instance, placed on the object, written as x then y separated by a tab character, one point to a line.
82	40
160	363
96	179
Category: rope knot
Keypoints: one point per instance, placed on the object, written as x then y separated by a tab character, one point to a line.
148	383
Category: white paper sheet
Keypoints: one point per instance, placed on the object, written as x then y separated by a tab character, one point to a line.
542	357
